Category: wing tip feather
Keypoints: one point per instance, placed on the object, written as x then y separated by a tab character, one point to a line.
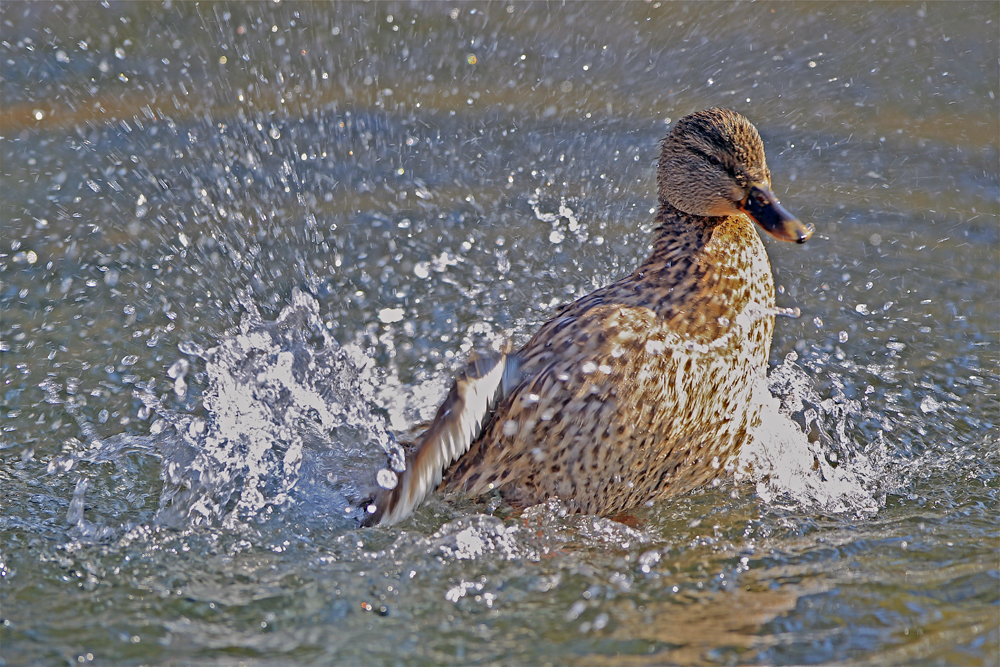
456	425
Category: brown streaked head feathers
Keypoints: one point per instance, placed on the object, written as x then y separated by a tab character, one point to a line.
708	162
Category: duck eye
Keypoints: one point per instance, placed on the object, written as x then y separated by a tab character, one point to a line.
714	160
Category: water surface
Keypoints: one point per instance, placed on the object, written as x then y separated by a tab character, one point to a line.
243	244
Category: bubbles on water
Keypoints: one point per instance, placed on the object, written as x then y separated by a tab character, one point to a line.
466	539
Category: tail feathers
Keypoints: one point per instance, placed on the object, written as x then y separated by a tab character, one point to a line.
459	421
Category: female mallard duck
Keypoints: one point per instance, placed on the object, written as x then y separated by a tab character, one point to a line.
641	389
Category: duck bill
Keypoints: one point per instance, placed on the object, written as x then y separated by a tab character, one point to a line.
761	205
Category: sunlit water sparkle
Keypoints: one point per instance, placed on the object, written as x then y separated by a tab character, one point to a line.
245	247
290	417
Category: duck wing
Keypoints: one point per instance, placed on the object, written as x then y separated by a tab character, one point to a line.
459	422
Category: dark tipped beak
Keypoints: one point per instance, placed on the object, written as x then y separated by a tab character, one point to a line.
761	205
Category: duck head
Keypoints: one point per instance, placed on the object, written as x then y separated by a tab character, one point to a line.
712	164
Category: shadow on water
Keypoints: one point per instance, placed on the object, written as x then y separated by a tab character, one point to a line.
242	245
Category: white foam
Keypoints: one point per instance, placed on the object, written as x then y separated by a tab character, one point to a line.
273	392
789	469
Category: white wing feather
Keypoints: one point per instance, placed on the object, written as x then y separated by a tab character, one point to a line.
458	423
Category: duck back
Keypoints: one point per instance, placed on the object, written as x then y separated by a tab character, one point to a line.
643	388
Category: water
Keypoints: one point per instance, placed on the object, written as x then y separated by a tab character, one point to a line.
243	245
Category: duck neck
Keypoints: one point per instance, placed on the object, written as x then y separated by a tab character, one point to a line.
679	236
704	270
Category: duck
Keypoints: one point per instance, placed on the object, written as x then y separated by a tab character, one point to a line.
642	389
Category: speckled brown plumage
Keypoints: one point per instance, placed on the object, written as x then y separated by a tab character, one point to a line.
641	389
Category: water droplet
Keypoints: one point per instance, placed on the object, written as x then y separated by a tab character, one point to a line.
75	513
178	369
929	404
387	479
193	349
391	315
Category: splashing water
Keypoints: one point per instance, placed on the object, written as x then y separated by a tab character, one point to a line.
564	213
288	417
821	466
